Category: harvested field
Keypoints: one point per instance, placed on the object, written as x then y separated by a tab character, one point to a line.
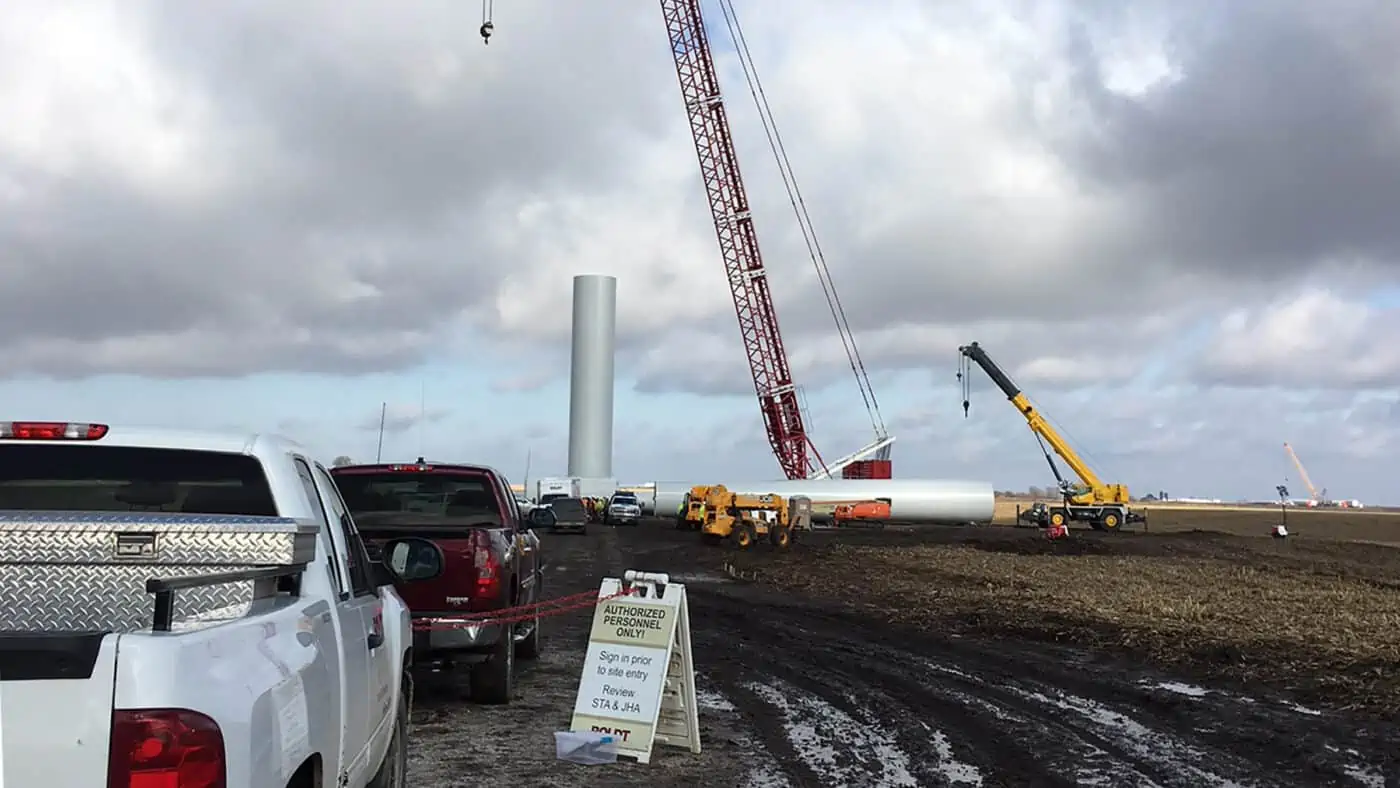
1339	524
1316	618
827	689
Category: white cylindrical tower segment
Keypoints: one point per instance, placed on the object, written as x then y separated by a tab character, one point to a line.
591	376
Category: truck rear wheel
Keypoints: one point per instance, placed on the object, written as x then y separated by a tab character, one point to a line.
1111	521
493	681
393	770
1058	517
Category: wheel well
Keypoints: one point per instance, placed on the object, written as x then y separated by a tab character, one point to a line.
308	775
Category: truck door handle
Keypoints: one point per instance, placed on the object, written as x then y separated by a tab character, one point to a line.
375	640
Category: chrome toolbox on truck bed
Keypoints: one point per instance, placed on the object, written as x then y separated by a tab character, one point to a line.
89	571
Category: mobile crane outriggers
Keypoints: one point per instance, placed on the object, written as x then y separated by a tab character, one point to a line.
1103	506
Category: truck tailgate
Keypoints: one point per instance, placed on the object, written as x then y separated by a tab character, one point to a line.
56	706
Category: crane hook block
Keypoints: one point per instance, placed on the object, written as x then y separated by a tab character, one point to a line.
965	406
486	30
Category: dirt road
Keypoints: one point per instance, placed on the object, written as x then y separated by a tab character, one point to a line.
809	692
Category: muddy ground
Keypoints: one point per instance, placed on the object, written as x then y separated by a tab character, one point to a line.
801	690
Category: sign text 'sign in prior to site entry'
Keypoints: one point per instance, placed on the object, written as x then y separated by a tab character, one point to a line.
625	682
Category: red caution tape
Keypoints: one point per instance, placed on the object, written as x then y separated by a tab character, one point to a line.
519	613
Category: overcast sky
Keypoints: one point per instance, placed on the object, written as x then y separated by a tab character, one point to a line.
1176	224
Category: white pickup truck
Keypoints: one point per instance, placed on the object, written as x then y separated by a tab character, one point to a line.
194	611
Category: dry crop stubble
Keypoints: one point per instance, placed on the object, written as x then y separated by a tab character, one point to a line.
1331	637
1373	525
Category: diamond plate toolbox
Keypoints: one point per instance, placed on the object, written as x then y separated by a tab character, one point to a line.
88	570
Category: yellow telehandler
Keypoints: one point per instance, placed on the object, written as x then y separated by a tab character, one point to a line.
741	520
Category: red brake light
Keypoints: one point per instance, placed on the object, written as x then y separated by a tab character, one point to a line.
165	748
51	431
410	468
488	568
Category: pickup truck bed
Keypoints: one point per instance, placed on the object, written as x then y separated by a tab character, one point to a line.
194	609
80	623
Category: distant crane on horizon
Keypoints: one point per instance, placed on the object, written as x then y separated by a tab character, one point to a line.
1316	497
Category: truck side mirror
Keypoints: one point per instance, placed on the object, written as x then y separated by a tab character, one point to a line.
411	558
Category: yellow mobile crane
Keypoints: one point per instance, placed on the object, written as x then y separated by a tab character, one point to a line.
1103	506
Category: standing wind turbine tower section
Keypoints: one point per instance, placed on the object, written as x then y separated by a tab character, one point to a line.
591	383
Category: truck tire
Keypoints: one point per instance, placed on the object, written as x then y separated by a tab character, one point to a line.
493	681
780	536
742	537
1111	521
393	770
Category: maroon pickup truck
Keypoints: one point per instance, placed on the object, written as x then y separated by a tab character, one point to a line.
490	556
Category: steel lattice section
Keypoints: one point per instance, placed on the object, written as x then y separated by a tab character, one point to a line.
738	243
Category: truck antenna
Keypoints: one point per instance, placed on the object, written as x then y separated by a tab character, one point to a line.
379	450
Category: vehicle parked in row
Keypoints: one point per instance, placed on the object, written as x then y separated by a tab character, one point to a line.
274	653
492	559
565	515
623	509
552	488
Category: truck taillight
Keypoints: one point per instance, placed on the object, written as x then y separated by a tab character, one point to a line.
51	431
488	568
165	748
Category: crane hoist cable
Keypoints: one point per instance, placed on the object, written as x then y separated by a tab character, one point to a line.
804	219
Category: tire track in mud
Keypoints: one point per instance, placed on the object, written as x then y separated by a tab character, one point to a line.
836	705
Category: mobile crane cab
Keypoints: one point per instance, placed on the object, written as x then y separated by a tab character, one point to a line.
1104	506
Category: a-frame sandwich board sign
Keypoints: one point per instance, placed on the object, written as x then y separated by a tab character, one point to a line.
638	681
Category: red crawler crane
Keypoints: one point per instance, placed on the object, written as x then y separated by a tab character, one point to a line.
738	244
743	263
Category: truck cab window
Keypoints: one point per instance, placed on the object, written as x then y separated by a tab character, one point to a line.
512	505
361	579
318	509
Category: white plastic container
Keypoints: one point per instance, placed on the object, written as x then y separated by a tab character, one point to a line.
585	747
